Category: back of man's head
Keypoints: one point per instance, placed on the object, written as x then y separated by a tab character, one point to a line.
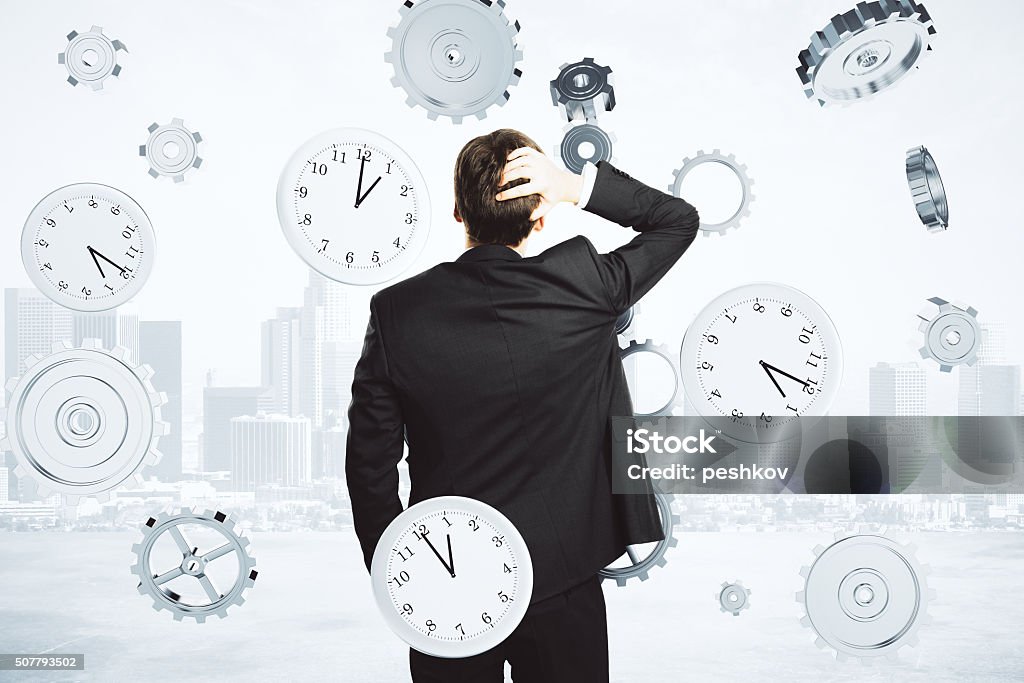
478	172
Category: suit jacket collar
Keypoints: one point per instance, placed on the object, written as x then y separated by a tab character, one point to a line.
489	252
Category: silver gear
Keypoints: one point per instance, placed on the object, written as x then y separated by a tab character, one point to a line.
583	89
640	567
82	421
648	346
729	161
927	189
733	597
865	596
952	334
454	58
574	136
184	141
193	564
624	321
865	50
91	57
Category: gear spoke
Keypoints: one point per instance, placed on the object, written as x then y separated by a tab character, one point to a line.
633	558
211	590
179	539
161	579
220	551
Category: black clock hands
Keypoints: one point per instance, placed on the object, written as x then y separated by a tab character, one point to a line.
360	195
449	568
451	560
770	369
94	254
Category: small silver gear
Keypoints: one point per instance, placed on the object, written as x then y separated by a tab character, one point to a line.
640	567
91	57
454	58
865	50
171	150
582	89
952	335
193	565
733	597
927	189
729	161
648	346
82	421
575	136
865	596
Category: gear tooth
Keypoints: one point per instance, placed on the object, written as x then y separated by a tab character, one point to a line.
185	510
804	571
96	29
116	70
136	548
19	471
621	582
177	616
60	58
643	576
455	119
839	535
805	621
153	172
142	150
197	163
661	561
137	479
153	127
840	657
673	542
818	550
819	642
121	353
179	178
11	385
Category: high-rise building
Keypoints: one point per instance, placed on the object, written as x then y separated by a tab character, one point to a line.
220	405
32	323
4	483
326	327
901	390
280	356
990	387
116	327
897	389
160	348
270	449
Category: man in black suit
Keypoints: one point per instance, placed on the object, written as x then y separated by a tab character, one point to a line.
504	372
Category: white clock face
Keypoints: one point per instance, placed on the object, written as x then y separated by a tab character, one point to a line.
760	356
452	577
88	247
354	206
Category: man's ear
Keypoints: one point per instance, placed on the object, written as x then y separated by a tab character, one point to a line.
455	215
539	225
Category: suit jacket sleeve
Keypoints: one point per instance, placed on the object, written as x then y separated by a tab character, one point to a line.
375	443
667	226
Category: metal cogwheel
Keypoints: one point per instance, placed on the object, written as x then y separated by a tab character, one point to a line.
733	597
194	565
171	150
865	50
952	335
927	189
454	58
585	142
648	346
865	596
729	161
640	567
624	321
82	421
91	57
582	89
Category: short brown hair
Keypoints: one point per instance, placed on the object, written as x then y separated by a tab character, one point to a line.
477	174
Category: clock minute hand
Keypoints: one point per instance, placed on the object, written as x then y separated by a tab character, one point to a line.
765	366
94	254
367	193
771	368
451	560
359	185
441	559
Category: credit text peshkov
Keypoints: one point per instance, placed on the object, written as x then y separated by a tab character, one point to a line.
644	441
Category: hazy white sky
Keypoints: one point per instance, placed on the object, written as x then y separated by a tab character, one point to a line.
832	217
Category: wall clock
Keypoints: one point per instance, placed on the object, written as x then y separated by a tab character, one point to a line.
354	206
452	576
88	247
758	357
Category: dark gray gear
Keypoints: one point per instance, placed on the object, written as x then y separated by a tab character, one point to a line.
864	51
454	58
927	189
582	89
581	135
640	567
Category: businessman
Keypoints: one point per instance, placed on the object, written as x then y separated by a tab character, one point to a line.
503	371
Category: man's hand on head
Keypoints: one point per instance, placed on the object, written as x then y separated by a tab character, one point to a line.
553	184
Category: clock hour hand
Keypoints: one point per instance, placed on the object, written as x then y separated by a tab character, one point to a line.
94	254
359	185
451	560
367	193
441	559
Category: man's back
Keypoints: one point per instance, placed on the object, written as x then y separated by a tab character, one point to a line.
503	372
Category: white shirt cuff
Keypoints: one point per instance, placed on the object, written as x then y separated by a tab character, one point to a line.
589	177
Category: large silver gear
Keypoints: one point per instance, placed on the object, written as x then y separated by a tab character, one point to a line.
927	189
583	89
171	150
82	421
576	135
91	57
640	567
864	51
729	161
733	597
193	565
648	346
454	58
865	596
952	334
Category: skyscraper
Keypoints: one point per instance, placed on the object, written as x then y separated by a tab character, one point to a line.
220	405
280	356
901	390
32	323
160	348
897	389
270	449
326	325
116	327
990	387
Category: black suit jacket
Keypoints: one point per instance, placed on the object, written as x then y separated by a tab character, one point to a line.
505	371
